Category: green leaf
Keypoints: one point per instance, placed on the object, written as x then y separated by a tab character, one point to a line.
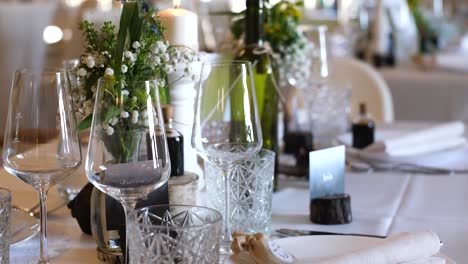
125	21
135	26
85	123
112	112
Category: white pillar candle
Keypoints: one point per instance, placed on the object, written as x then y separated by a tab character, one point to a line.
181	26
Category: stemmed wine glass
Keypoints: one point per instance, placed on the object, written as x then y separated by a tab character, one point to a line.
41	144
127	153
226	128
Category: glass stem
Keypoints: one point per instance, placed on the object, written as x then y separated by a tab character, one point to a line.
128	207
226	243
43	235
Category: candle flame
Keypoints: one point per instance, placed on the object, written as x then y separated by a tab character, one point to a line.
176	3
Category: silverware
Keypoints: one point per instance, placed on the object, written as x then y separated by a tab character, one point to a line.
294	232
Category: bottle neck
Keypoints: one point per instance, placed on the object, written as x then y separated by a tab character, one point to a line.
254	23
169	124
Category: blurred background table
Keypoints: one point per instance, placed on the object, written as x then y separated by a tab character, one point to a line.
433	95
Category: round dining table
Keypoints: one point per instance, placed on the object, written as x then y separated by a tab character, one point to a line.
383	203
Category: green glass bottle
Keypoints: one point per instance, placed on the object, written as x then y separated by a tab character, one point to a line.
262	62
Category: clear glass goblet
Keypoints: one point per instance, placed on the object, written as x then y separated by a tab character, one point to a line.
41	144
226	129
127	153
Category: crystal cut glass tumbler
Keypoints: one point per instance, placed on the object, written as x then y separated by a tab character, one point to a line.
5	212
174	234
251	189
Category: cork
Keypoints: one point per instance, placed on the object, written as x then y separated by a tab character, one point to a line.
168	112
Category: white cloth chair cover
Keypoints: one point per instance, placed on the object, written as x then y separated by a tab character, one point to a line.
367	86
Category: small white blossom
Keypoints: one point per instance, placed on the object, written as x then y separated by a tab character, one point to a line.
114	121
165	57
90	62
124	114
144	114
82	72
110	131
135	115
136	45
146	122
161	46
125	92
134	98
124	68
128	54
109	72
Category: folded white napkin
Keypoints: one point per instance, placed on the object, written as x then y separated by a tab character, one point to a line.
402	248
452	62
440	137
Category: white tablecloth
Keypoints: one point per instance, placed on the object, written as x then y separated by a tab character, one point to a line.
382	204
436	95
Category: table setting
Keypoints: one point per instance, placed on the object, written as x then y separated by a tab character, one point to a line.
145	149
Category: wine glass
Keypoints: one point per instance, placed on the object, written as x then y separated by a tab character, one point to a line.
41	144
127	153
226	129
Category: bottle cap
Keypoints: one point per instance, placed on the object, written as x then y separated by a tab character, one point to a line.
168	111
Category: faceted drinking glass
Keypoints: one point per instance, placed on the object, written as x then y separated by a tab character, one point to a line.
251	191
5	215
174	234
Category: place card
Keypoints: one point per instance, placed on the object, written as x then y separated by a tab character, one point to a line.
326	172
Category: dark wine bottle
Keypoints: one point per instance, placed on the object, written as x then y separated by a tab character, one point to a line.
262	62
363	129
175	143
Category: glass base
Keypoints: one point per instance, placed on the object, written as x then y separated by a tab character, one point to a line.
43	261
225	249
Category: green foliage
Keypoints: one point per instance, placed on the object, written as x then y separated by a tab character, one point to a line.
281	22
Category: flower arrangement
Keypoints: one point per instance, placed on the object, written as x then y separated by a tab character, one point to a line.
287	42
136	52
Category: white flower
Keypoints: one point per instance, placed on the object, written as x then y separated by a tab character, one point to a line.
124	114
161	46
156	60
128	54
136	45
124	68
90	62
165	57
145	122
144	114
135	115
110	131
114	121
109	72
82	72
125	92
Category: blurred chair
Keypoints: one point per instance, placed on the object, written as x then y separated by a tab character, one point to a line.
22	45
367	86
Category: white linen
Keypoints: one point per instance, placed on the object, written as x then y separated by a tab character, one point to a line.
429	140
455	62
451	156
434	96
401	248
